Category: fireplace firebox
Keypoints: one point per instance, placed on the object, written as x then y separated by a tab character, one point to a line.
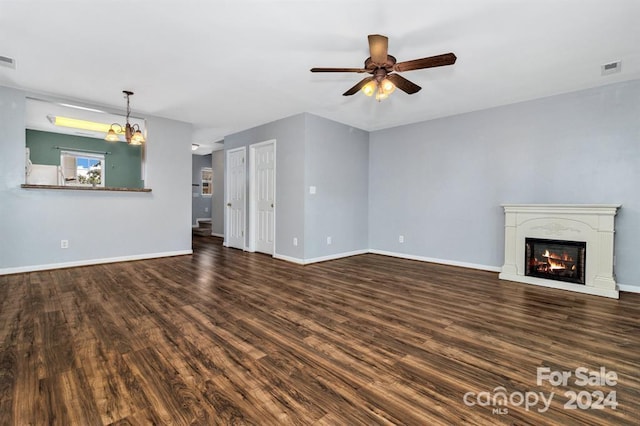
555	259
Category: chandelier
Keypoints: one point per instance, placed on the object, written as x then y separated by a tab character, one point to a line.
132	133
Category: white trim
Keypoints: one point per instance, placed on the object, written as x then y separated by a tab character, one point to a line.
388	253
289	259
335	256
630	288
439	261
214	234
34	268
251	247
319	259
89	262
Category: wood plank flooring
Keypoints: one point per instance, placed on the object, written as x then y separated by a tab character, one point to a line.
226	337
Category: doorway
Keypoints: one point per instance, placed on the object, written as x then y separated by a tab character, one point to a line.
235	183
262	197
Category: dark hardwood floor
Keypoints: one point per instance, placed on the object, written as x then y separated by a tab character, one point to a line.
226	337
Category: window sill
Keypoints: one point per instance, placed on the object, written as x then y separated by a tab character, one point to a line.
85	188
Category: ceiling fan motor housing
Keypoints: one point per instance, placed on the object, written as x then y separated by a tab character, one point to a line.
388	65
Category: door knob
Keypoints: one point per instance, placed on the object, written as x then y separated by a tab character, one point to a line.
228	204
271	205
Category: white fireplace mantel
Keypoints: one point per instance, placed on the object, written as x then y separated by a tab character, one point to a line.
591	223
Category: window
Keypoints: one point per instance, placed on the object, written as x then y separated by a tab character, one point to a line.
82	168
206	176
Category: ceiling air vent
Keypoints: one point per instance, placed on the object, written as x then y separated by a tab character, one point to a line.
611	68
7	62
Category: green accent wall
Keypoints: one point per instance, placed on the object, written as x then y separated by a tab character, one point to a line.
122	166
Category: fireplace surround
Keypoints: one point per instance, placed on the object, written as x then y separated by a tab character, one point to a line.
580	232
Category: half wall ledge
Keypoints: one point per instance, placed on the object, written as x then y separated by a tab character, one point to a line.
85	188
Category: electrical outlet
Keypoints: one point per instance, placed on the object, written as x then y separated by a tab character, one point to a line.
206	209
401	239
328	241
64	244
295	241
312	190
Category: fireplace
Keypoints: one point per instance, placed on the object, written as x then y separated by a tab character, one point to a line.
555	259
546	245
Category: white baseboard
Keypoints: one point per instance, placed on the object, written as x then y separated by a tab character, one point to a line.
213	234
629	288
440	261
319	259
387	253
335	256
289	259
34	268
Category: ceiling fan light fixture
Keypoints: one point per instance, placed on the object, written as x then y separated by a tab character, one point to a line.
369	88
383	68
380	96
387	86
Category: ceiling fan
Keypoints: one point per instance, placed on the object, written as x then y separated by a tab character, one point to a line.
382	66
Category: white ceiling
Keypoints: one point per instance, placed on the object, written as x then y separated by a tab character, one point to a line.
228	65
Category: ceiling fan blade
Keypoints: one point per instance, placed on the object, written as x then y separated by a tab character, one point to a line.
338	70
403	84
378	46
430	62
357	87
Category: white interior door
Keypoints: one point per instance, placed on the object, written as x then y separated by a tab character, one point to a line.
263	164
235	178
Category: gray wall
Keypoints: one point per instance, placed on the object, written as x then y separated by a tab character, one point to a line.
200	205
98	225
311	150
289	134
337	164
440	183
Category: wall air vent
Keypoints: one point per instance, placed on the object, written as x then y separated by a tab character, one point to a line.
7	62
611	68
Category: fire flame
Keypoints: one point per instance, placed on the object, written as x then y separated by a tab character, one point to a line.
557	261
555	264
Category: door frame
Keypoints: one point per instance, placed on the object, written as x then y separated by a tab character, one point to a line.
253	209
227	183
